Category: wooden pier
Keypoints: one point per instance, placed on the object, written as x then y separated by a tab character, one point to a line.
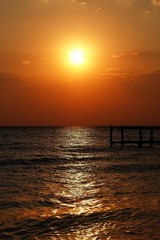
140	141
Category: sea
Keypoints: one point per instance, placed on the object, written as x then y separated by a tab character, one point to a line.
68	183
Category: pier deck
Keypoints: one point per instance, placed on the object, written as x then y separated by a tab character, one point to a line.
140	141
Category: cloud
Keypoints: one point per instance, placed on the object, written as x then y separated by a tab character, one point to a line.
130	54
156	2
79	2
114	70
142	2
26	62
134	54
43	58
125	54
152	72
43	1
126	2
115	56
144	75
8	78
147	13
114	73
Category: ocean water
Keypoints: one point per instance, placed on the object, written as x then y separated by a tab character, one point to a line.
68	183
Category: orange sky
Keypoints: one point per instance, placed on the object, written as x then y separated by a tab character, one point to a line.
119	82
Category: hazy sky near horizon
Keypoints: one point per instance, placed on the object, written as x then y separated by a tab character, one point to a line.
118	84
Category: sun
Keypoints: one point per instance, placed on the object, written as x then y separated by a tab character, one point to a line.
77	56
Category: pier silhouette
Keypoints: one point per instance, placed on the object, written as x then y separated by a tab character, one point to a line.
140	141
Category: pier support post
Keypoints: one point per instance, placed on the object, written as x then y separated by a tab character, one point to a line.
122	136
111	136
151	137
140	138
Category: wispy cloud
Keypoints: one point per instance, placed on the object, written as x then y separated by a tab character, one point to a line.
114	73
144	75
156	2
26	62
115	56
154	72
43	1
8	78
125	54
147	13
126	2
144	2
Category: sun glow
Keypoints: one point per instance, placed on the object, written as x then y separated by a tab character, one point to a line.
77	56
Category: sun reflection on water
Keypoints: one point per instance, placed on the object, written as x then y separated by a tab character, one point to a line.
77	136
80	190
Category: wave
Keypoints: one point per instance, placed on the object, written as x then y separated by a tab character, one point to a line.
48	160
134	168
30	228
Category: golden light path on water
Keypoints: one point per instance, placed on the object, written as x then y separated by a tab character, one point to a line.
90	194
80	189
74	190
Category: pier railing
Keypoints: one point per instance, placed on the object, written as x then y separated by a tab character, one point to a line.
140	141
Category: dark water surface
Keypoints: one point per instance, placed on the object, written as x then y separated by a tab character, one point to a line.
67	183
